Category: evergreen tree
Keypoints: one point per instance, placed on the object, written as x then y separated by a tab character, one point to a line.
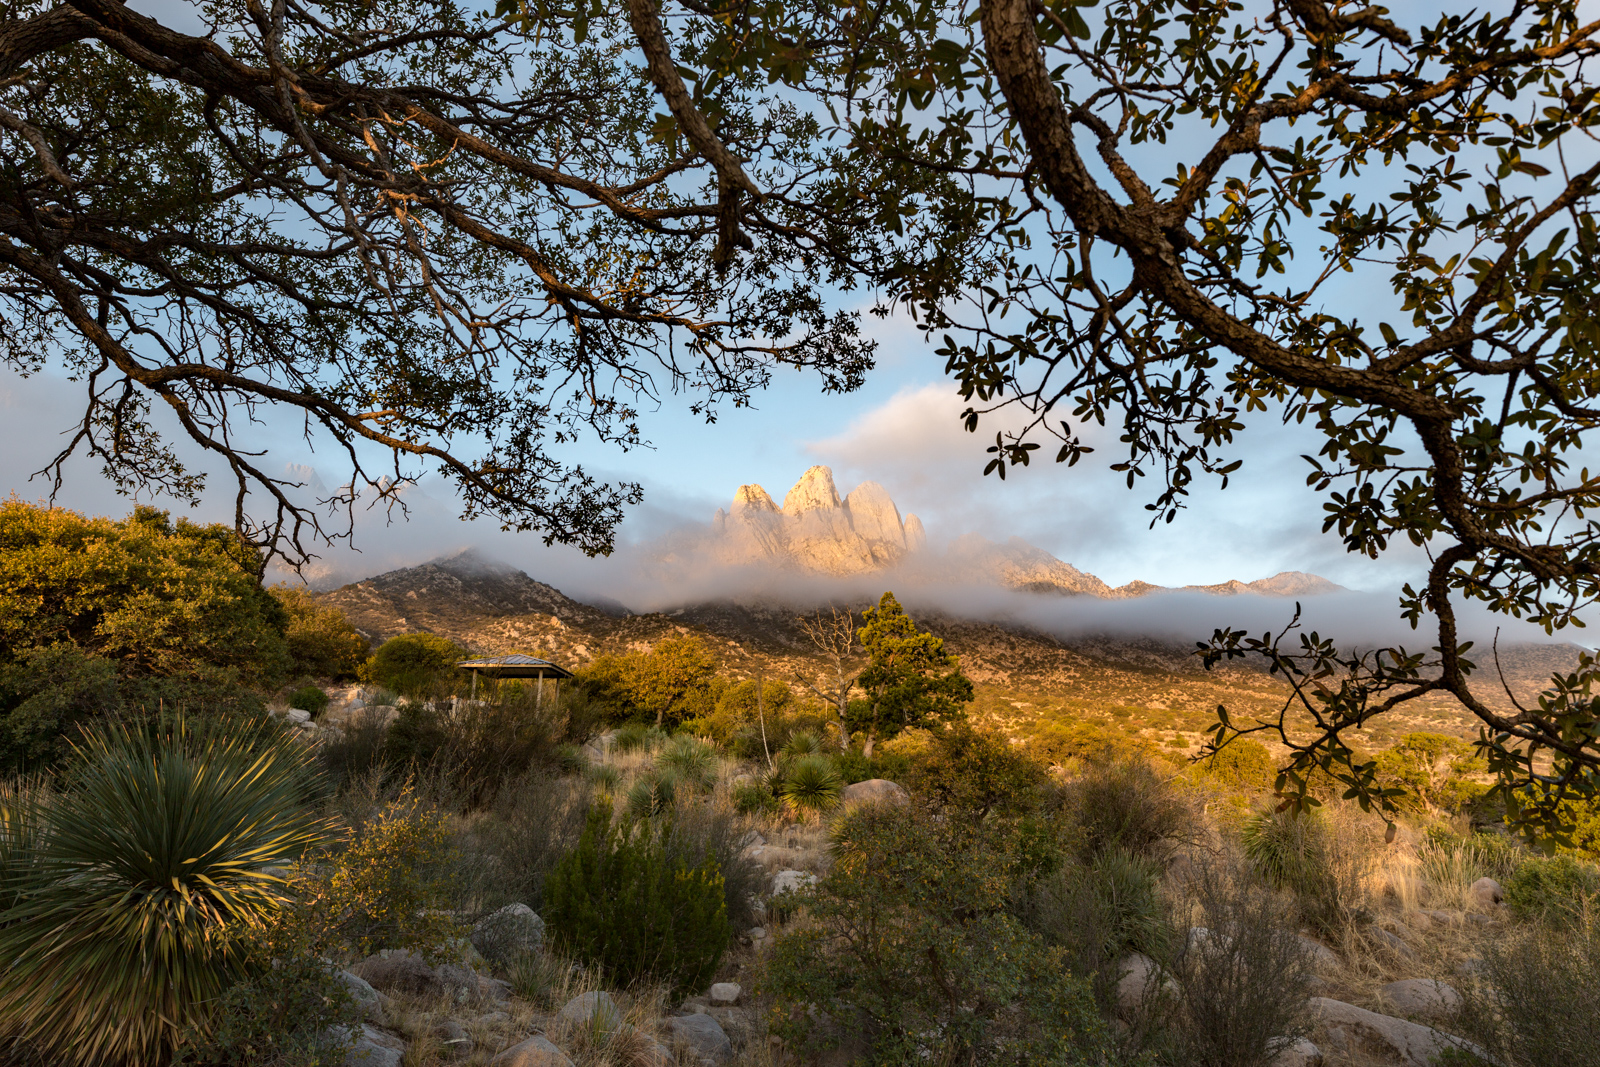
910	679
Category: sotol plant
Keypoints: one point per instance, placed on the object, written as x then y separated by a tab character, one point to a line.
119	938
812	786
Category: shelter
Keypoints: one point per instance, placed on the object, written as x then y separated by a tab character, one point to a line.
515	666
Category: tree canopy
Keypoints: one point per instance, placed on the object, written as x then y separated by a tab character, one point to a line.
909	680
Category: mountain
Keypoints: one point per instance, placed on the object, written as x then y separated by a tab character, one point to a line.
818	532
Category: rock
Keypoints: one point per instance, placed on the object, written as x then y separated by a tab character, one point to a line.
492	1019
703	1035
298	715
1323	958
1298	1053
1415	1045
757	933
515	929
372	1047
872	791
362	993
1470	966
725	994
1391	942
462	984
537	1051
406	972
1487	892
638	1049
1425	997
735	1022
1137	977
776	857
594	1009
454	1038
792	881
752	838
1444	918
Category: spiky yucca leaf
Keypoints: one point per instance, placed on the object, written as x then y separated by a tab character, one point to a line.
812	786
692	761
605	776
123	934
803	743
653	794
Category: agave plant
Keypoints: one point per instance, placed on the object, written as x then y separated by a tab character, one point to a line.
653	794
692	761
121	930
812	786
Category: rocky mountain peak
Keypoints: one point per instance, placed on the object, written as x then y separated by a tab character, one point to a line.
813	492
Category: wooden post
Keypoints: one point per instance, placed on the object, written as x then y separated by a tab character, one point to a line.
474	683
538	700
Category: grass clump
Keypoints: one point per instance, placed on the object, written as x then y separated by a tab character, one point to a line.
1126	804
309	698
1537	998
653	794
691	761
1323	866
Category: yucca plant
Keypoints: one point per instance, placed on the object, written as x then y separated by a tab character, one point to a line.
653	794
629	738
571	759
803	743
605	776
691	761
812	786
122	930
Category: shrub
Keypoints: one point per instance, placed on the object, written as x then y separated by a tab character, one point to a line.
1556	889
571	759
755	798
1538	999
691	761
606	776
1097	912
414	665
1243	764
475	751
702	832
623	902
631	738
854	766
120	935
1324	868
532	822
911	951
321	640
812	786
653	794
1125	804
45	697
309	698
975	772
802	743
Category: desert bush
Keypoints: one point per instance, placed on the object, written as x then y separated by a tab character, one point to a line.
605	776
1537	998
474	751
1125	804
1323	867
570	759
692	762
45	697
907	946
811	786
358	749
653	794
513	845
321	640
1097	912
309	698
1432	770
1558	889
755	798
120	935
855	766
702	832
623	901
1243	764
1242	985
631	738
414	665
975	772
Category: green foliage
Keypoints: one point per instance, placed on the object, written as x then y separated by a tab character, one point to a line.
811	786
910	680
156	598
854	765
1556	889
415	665
476	750
571	759
1300	852
802	743
631	738
755	798
322	643
52	692
1097	912
911	946
691	761
605	776
123	931
1127	805
1431	768
671	684
309	698
1242	764
1540	996
624	902
975	772
653	794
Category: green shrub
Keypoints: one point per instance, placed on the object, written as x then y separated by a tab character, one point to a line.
415	665
45	697
631	738
692	762
1539	998
1556	889
623	902
653	794
1099	911
802	743
571	759
1302	853
1125	804
911	949
854	766
532	822
975	772
120	935
753	798
309	698
1243	764
321	640
476	751
606	776
812	786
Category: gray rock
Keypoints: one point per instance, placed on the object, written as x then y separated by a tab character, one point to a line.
461	984
406	972
453	1037
703	1036
872	791
1487	892
513	930
752	838
792	881
758	933
537	1051
1298	1053
725	994
298	715
594	1009
1392	942
1444	918
1323	958
1414	1044
1138	976
371	1047
362	993
492	1019
1424	997
735	1022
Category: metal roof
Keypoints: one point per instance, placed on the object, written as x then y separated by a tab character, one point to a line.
514	664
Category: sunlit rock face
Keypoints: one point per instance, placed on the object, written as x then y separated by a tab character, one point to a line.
815	530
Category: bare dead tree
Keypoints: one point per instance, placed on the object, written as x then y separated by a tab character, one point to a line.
833	635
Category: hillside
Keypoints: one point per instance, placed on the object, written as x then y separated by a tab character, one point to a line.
1024	677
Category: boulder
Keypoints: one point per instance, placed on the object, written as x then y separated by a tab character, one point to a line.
1298	1053
298	715
453	1038
537	1051
757	933
872	791
492	1019
1414	1044
776	857
1392	942
1137	977
362	993
1427	998
702	1035
1487	892
406	972
514	930
735	1022
1323	958
725	994
792	881
370	1048
1444	918
752	838
593	1009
